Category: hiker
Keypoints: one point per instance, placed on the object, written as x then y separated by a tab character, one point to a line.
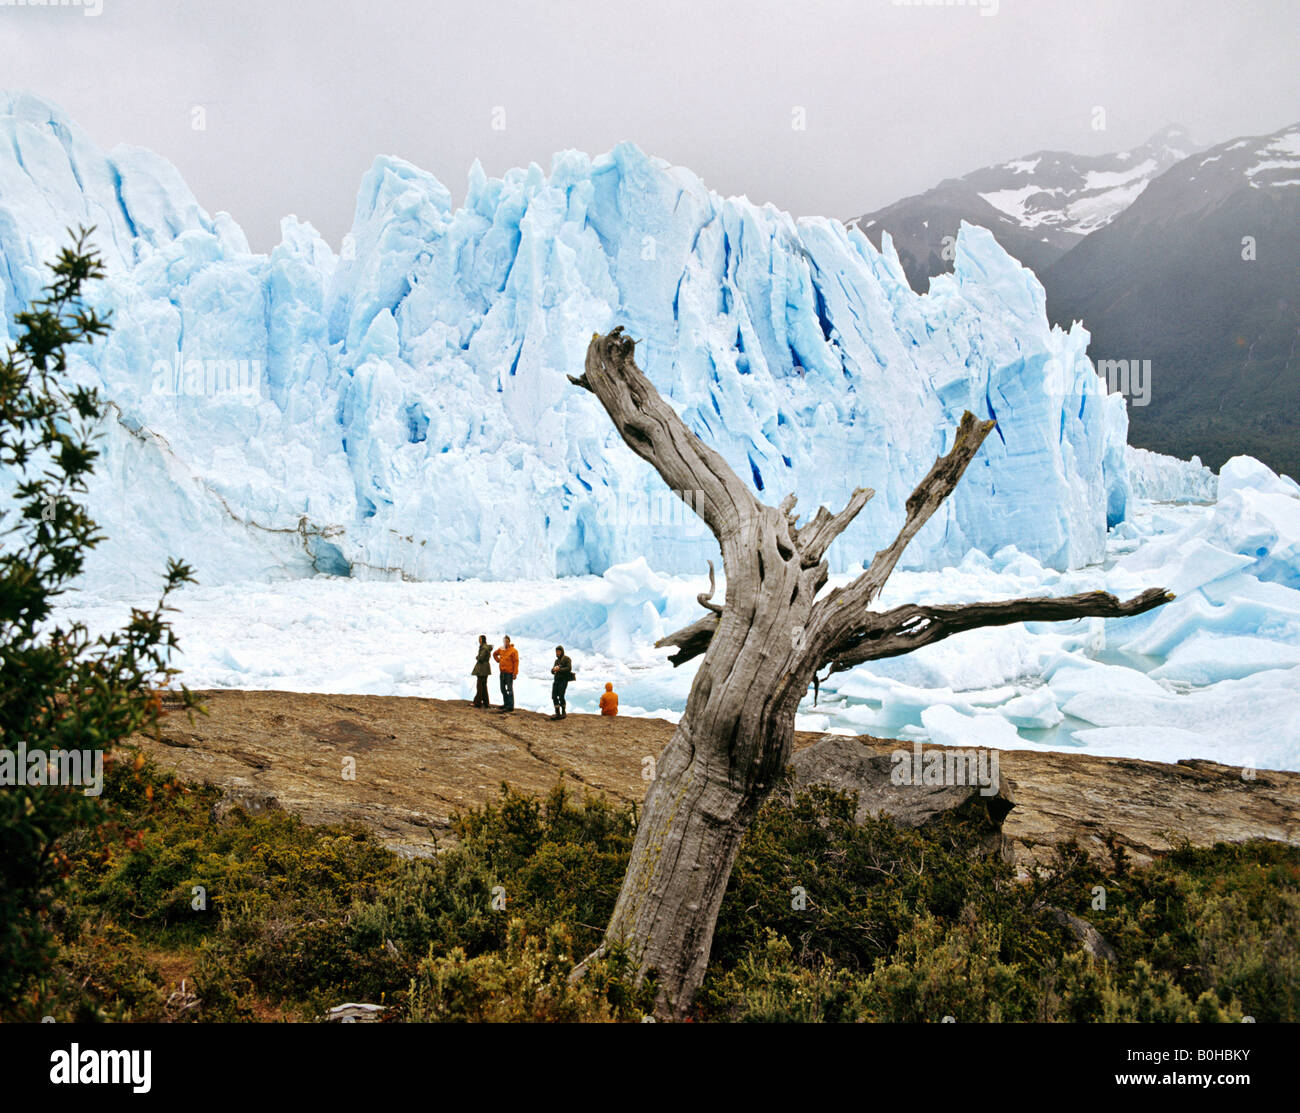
481	671
609	701
507	659
562	670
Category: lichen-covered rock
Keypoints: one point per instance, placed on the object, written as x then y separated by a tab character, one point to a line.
254	801
913	786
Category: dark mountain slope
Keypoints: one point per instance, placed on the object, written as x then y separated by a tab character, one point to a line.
1172	280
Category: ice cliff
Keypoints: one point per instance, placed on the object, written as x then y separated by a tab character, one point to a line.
402	408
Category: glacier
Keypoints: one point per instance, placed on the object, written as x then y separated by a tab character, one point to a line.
373	455
1212	674
1160	478
401	409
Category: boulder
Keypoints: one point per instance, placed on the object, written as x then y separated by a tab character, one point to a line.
254	801
911	790
355	1012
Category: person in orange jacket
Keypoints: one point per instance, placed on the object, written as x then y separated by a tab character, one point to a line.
609	701
507	659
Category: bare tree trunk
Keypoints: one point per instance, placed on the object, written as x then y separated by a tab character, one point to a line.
762	649
730	748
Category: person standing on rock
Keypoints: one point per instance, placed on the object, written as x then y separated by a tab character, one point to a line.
481	671
507	659
562	671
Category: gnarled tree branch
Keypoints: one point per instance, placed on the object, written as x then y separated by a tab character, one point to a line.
651	428
816	536
692	640
833	617
843	603
909	627
706	597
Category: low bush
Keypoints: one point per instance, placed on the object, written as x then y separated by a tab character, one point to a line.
171	914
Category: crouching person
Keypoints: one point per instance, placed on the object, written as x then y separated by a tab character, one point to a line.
609	701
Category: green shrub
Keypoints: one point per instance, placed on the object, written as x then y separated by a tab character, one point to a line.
529	981
897	924
60	690
901	925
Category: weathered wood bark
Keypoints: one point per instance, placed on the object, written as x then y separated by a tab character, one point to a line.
762	649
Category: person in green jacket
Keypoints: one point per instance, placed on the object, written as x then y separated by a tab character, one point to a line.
481	671
562	671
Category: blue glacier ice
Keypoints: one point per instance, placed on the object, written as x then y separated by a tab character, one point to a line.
1152	475
401	409
1212	674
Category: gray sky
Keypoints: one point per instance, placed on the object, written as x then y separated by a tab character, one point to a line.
300	96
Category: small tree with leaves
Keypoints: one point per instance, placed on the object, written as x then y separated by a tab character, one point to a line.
59	688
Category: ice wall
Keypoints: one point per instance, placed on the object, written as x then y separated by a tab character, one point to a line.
1166	479
402	409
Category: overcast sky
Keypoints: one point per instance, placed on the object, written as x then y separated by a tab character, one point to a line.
298	97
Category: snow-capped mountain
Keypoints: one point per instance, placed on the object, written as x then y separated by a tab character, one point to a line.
1038	207
402	409
1199	276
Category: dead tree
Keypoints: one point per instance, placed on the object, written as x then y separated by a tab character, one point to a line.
762	649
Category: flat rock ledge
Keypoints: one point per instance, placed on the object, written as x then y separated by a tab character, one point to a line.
401	766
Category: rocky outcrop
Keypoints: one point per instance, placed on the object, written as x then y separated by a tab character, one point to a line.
895	784
401	766
254	801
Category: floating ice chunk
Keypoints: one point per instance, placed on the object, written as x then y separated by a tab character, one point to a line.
858	715
1236	604
1246	473
949	727
1201	563
1036	710
989	697
860	683
1207	658
1012	562
1077	675
621	615
903	703
1153	742
973	661
1263	525
1254	719
1180	564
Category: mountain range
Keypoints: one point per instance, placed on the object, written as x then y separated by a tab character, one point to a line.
1039	206
1179	260
1201	276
